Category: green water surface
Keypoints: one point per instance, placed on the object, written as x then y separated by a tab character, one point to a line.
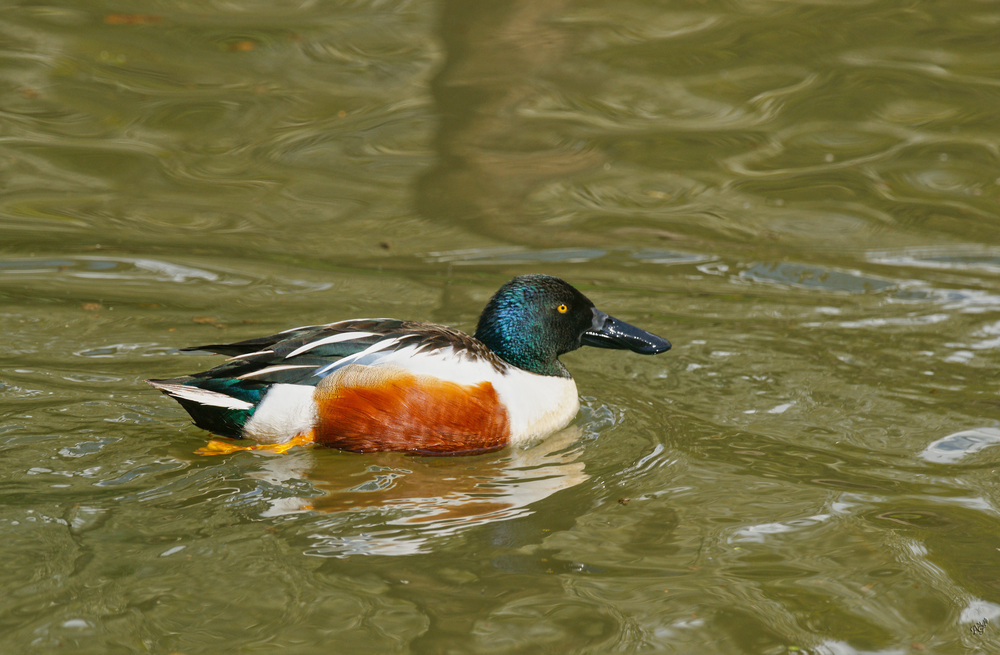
802	195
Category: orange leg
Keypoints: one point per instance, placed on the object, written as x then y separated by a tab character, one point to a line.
217	447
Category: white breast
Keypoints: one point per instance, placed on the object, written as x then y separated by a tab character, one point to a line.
537	404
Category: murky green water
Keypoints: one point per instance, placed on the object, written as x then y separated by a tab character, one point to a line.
803	196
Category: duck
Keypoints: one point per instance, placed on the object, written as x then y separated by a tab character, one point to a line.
381	384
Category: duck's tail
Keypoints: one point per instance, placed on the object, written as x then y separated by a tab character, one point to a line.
211	409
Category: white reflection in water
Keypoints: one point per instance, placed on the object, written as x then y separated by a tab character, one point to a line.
929	319
515	255
951	449
393	504
970	301
522	255
777	409
959	258
161	269
977	610
989	337
141	270
758	533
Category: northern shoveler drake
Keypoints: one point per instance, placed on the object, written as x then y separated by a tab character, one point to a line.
382	384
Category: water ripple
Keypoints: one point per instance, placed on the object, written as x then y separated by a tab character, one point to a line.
815	277
967	258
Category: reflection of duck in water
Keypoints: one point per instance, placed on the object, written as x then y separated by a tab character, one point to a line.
398	501
370	385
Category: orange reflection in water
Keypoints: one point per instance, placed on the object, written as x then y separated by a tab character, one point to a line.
426	490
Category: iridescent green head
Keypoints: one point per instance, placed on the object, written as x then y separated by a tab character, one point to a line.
533	319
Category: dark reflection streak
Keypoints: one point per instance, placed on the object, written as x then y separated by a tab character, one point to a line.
489	159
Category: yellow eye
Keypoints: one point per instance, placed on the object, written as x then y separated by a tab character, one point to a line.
562	309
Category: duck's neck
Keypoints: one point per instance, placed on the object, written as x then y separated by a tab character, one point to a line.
516	349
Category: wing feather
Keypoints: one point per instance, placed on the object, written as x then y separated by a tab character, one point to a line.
306	354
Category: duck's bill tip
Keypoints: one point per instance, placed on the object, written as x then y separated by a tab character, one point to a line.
609	332
653	347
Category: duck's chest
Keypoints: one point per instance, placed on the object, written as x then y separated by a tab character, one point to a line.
537	404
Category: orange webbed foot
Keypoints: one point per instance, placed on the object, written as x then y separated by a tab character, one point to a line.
219	447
